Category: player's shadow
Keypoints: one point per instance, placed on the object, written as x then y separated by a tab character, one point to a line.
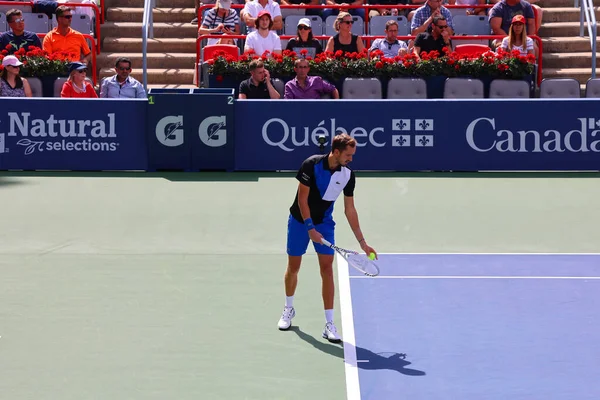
370	360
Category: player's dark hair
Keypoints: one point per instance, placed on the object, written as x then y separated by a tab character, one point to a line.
341	141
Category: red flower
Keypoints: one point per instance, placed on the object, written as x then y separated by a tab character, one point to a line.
303	52
9	47
379	65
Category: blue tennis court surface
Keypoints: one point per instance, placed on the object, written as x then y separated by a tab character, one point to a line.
473	327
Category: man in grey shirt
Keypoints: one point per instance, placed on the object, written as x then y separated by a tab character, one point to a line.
122	85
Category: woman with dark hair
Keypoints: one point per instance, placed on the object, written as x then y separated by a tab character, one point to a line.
305	40
11	83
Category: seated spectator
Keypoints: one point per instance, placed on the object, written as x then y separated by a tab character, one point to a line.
63	38
345	40
501	16
11	83
308	87
122	85
221	19
308	11
538	15
390	45
517	38
471	11
17	36
304	40
263	39
436	40
259	85
374	12
77	85
359	12
253	8
423	17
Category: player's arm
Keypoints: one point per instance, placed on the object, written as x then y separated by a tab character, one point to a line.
303	192
352	217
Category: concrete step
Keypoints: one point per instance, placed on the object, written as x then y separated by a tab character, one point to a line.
161	29
561	3
163	45
140	3
564	29
564	14
134	14
158	76
155	60
567	60
581	74
567	44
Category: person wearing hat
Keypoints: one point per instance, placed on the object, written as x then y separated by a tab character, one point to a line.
77	85
304	40
11	83
264	39
220	20
501	16
517	38
254	7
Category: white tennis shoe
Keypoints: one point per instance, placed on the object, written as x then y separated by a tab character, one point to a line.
286	318
330	333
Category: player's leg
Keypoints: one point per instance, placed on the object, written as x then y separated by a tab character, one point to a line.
325	255
297	242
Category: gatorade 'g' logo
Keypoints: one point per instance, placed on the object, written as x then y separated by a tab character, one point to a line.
212	131
169	131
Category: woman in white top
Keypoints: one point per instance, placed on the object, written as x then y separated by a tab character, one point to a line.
517	37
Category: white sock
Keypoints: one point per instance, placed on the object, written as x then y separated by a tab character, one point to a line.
289	301
329	315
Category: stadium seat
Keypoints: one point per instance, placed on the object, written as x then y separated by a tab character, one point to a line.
463	88
38	23
290	25
457	11
82	24
358	28
471	25
5	7
279	85
407	88
287	12
36	87
58	84
475	49
3	24
509	89
377	25
229	49
592	88
361	88
560	88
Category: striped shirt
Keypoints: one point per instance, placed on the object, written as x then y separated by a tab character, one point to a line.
423	13
212	20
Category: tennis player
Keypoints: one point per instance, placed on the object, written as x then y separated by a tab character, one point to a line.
322	179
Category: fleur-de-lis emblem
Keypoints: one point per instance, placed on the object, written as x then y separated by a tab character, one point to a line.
598	123
424	125
423	140
401	125
401	141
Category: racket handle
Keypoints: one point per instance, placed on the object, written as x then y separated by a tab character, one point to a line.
325	242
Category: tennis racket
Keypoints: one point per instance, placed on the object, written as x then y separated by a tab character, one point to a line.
358	261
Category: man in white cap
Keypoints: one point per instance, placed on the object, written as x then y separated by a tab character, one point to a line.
263	39
304	40
220	20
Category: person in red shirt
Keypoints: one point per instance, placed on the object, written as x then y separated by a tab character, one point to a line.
77	85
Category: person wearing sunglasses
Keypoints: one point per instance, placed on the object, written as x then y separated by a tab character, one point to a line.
77	85
122	85
11	83
345	40
17	36
64	38
436	40
304	40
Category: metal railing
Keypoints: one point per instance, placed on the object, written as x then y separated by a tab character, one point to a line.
587	9
147	31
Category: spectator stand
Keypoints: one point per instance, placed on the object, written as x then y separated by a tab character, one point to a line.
467	38
27	6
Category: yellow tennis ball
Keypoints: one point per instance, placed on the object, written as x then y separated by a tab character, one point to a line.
372	256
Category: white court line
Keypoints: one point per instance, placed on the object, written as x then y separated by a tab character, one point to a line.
472	277
491	254
350	362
